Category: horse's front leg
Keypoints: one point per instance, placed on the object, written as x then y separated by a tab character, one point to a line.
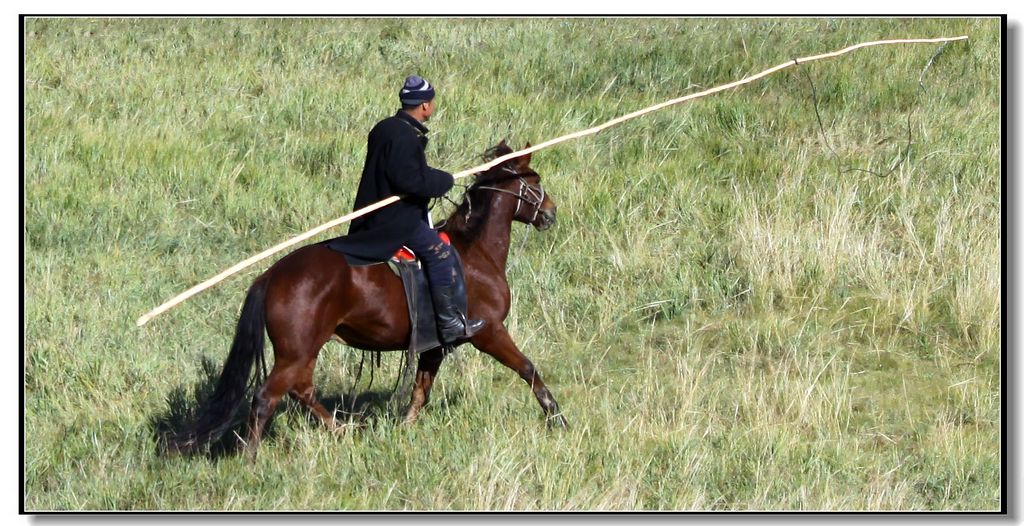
426	371
497	343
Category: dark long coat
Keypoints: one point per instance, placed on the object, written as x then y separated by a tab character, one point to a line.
396	164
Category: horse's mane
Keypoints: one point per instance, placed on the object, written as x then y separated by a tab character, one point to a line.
474	203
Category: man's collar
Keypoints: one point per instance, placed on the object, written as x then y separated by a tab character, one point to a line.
402	114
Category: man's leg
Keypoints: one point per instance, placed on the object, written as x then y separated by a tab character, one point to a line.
438	262
434	254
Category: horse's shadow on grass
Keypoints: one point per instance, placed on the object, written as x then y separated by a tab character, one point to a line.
356	410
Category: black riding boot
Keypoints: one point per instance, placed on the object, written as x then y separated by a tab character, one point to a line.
452	324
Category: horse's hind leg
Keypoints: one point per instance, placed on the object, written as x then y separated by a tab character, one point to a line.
499	344
265	402
305	393
426	371
287	374
292	374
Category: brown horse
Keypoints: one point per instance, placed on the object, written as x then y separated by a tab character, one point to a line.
312	294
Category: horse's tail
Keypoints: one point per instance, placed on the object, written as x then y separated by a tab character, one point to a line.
219	412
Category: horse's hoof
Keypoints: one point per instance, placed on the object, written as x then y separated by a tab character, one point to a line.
248	448
410	418
557	421
345	427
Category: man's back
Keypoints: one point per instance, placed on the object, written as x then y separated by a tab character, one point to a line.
396	165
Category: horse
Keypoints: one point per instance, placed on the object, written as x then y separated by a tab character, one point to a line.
312	295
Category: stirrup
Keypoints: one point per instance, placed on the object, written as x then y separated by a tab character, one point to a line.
465	330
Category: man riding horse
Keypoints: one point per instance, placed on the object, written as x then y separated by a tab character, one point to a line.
396	164
329	288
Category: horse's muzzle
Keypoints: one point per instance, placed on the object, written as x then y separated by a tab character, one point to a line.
547	219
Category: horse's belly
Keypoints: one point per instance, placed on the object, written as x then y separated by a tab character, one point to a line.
397	340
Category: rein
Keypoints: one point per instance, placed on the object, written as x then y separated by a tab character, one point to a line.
533	195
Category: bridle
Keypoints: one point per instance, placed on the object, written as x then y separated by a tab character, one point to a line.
528	193
533	195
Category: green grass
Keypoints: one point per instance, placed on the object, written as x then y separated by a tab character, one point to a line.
728	320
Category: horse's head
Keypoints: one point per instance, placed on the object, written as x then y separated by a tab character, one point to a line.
514	177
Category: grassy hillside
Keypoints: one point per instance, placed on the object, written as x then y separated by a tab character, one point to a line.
729	316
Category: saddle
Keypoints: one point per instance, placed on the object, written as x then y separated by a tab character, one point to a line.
406	265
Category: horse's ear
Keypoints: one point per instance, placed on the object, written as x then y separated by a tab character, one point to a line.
524	161
502	146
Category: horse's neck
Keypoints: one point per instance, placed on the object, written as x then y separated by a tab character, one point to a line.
495	234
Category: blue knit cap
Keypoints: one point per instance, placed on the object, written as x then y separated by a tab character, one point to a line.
416	91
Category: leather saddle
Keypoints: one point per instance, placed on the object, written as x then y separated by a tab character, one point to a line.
406	265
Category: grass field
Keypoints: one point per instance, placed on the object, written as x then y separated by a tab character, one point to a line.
728	316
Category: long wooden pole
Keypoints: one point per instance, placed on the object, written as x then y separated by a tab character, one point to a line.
486	166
